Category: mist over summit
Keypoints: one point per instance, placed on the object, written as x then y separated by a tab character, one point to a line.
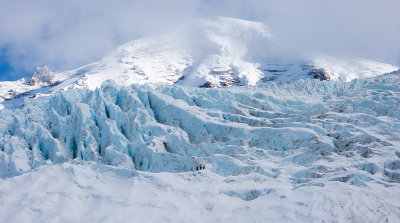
66	35
208	52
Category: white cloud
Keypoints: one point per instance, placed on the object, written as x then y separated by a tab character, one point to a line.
65	34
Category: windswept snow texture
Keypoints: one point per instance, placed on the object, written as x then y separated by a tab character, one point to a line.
310	151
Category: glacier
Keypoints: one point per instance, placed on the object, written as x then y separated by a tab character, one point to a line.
305	151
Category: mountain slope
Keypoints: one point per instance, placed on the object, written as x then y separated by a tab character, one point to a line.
210	52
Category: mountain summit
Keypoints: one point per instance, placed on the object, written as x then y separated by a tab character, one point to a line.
208	52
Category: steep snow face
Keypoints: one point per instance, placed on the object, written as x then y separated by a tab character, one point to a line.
197	52
311	147
210	52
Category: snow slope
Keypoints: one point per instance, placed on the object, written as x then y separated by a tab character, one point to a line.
209	52
310	151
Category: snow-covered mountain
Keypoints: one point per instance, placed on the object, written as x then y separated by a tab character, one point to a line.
210	52
277	144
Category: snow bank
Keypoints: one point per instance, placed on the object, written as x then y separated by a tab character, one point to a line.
98	193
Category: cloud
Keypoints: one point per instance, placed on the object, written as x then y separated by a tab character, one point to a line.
355	28
66	34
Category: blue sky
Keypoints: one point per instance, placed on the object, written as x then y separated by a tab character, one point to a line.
5	68
9	71
66	34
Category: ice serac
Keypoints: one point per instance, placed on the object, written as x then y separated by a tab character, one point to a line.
339	131
309	151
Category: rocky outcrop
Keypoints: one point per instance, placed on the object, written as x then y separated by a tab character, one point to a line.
42	75
208	84
320	73
222	78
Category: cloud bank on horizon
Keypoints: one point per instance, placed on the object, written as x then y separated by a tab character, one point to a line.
66	34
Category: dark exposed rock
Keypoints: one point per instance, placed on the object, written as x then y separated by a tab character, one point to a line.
276	71
271	78
320	73
209	84
55	84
